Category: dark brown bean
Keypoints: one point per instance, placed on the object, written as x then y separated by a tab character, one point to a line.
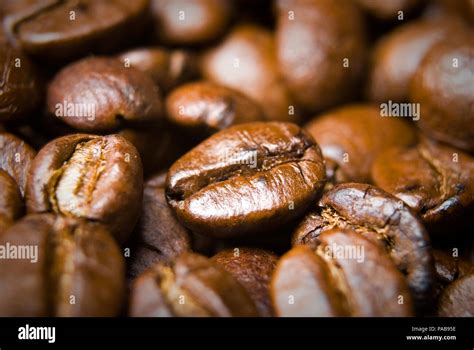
384	220
59	30
77	269
93	177
352	136
100	95
15	158
20	89
193	286
247	179
252	268
325	282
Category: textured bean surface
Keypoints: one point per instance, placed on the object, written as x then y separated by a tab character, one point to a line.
79	270
93	177
246	179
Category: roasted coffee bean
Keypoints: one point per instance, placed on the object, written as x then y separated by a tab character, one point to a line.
449	268
167	68
15	158
204	108
20	89
100	94
328	281
388	10
92	177
443	88
352	136
190	21
252	268
397	57
384	220
319	72
60	30
246	61
57	266
436	181
247	179
11	201
193	286
457	299
159	237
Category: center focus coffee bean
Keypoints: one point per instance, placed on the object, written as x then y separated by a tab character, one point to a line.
92	177
246	179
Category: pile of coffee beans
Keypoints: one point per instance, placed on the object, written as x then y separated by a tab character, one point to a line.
236	158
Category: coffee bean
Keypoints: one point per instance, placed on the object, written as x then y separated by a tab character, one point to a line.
435	180
449	268
322	74
192	286
352	136
247	179
398	55
443	88
15	158
204	108
100	94
246	61
59	30
190	21
11	201
159	237
252	268
77	271
388	10
384	220
86	176
20	90
167	68
322	282
458	298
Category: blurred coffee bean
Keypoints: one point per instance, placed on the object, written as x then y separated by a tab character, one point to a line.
246	180
388	10
100	94
252	268
11	201
385	221
322	281
320	73
352	136
398	54
246	61
59	30
193	286
98	178
74	268
20	90
190	22
443	88
16	157
436	181
448	268
159	237
167	68
457	299
203	108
